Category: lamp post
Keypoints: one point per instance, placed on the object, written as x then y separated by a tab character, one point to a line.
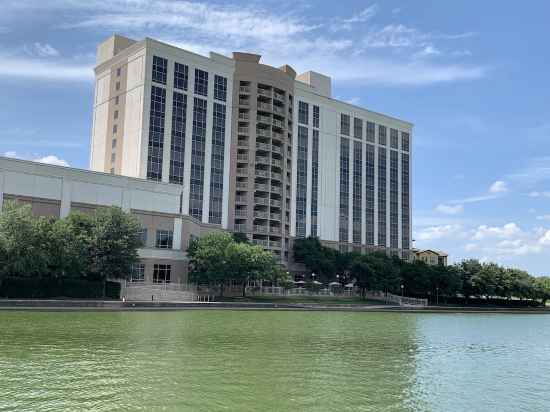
402	288
437	295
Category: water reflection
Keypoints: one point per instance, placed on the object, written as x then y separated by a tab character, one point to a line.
269	361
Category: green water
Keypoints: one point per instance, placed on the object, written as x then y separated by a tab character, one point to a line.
273	361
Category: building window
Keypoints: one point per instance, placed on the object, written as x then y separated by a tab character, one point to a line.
181	75
303	112
117	100
220	88
142	236
115	115
344	191
405	142
201	82
370	131
344	124
394	231
357	128
160	67
162	273
115	128
369	185
138	273
177	145
301	182
314	180
217	164
198	143
316	116
164	239
382	196
117	86
357	191
113	157
113	143
394	140
156	133
118	71
382	135
405	203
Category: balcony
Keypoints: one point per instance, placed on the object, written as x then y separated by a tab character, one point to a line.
276	176
264	106
242	143
260	228
243	130
274	244
276	189
260	242
263	119
263	146
261	201
264	92
277	149
261	187
263	133
275	216
279	96
242	185
244	89
278	136
244	102
278	123
262	173
244	116
275	230
241	199
276	163
262	159
242	157
243	171
275	203
260	215
279	110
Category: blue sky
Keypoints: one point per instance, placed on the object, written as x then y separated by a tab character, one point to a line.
472	76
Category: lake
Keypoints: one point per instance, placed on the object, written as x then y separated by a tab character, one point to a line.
216	360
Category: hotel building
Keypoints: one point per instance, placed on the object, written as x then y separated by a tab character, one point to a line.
245	147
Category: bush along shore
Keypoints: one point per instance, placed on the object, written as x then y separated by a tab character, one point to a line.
466	283
73	257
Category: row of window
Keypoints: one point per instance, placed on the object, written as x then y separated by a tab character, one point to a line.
164	239
161	273
301	182
181	77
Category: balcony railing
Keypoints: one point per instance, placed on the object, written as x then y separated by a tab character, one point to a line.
275	216
265	107
244	116
260	242
276	189
263	133
262	159
275	203
244	102
263	146
242	156
261	187
276	176
278	110
242	171
260	229
279	96
274	244
242	185
260	215
262	173
278	123
244	89
241	213
264	92
276	162
263	119
241	199
275	230
261	201
276	149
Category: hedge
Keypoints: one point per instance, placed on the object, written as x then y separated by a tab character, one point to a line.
44	288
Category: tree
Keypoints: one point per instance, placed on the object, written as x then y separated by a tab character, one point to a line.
240	237
217	258
114	241
363	274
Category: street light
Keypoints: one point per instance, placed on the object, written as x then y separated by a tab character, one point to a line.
437	295
402	288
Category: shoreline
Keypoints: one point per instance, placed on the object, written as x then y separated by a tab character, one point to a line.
58	305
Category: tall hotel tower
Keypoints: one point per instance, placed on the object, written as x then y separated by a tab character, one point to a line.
255	149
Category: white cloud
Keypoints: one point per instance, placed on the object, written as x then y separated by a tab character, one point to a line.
52	160
449	209
545	239
42	69
49	159
428	51
281	36
42	50
543	217
498	187
508	230
438	232
539	194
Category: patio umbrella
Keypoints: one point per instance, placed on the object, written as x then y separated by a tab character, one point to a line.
334	284
316	283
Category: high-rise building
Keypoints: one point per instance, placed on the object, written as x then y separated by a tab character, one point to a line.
255	148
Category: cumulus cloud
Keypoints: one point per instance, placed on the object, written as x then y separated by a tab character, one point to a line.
49	159
508	230
545	239
42	50
498	187
449	209
438	232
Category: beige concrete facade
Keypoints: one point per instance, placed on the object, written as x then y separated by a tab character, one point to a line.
56	191
346	181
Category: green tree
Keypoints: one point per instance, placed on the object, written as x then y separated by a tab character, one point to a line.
363	274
